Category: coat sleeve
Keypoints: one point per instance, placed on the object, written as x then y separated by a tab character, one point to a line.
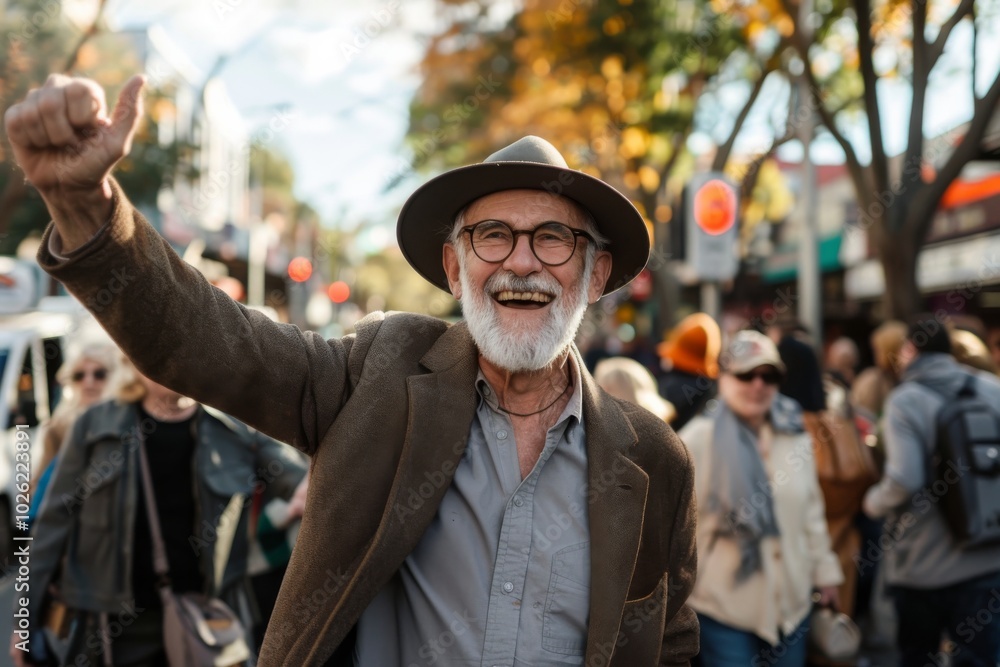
681	632
907	434
191	337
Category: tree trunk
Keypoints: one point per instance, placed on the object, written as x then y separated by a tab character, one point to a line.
898	252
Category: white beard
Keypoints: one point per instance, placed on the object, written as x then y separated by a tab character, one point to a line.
520	348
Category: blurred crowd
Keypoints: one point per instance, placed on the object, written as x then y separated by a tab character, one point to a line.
801	464
822	534
226	501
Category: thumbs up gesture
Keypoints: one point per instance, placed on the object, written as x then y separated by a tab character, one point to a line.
66	144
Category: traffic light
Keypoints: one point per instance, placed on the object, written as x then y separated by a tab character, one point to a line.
711	207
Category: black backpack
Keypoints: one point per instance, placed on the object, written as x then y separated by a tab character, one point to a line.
964	468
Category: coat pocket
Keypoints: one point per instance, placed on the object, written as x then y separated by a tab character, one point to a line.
564	625
640	639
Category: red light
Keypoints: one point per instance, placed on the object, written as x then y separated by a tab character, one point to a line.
299	269
339	292
715	207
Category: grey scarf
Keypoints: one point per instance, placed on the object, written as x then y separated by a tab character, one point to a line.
739	491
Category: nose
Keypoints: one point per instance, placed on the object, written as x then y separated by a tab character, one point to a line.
522	260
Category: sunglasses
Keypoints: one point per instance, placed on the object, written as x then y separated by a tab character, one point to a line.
771	377
100	375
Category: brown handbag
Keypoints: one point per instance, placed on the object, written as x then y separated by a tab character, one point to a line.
198	630
845	465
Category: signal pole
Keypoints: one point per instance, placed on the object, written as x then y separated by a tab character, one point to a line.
711	211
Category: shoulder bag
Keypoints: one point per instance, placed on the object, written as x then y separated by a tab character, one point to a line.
198	631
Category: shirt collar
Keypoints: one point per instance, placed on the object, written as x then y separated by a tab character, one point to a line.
573	409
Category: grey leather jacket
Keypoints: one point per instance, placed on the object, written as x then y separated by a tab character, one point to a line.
86	521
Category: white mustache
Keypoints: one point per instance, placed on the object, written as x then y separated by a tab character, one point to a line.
501	282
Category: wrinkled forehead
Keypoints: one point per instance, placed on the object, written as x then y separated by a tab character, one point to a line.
526	207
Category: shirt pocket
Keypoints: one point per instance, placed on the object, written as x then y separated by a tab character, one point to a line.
567	602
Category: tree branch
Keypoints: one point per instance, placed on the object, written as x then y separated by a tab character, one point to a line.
921	74
964	8
880	164
94	28
975	47
927	198
676	145
752	172
722	154
861	176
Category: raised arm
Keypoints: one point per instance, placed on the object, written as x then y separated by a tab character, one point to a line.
175	327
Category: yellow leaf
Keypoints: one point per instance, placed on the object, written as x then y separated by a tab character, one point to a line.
635	142
612	67
613	26
649	177
784	25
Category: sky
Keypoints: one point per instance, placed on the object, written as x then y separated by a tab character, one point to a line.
348	92
344	69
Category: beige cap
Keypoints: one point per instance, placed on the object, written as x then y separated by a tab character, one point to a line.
748	350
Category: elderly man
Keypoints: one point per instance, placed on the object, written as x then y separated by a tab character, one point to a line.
475	499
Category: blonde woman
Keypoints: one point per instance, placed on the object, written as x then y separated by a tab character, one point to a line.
872	387
84	378
92	535
629	380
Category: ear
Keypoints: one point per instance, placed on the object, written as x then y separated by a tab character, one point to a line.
599	276
449	256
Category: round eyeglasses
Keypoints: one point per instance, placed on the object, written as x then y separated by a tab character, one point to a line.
553	243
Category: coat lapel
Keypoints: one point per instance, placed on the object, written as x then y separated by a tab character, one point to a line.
442	404
617	498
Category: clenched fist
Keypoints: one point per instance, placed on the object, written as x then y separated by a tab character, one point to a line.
67	145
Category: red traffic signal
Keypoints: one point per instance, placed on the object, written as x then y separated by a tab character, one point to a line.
715	207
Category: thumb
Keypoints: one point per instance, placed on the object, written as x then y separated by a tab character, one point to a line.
128	111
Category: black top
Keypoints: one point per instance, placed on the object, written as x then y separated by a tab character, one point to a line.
688	393
803	379
170	451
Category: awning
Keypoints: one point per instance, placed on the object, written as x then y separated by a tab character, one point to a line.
783	264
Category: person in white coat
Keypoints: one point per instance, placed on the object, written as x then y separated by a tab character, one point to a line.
763	546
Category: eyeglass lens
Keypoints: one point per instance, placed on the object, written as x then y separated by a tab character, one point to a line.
99	375
552	242
769	377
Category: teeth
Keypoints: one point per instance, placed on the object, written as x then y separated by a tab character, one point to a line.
509	295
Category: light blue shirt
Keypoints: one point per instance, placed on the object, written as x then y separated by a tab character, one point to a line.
502	575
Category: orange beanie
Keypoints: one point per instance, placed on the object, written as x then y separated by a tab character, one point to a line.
693	346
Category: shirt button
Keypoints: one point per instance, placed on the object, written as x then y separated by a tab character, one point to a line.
502	435
518	501
508	587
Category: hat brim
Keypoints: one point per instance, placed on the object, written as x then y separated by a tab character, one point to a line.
428	216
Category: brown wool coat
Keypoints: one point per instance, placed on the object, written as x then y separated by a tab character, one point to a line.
385	415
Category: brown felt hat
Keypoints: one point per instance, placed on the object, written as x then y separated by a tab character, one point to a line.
428	216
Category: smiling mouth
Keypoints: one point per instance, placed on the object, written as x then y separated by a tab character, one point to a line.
513	299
